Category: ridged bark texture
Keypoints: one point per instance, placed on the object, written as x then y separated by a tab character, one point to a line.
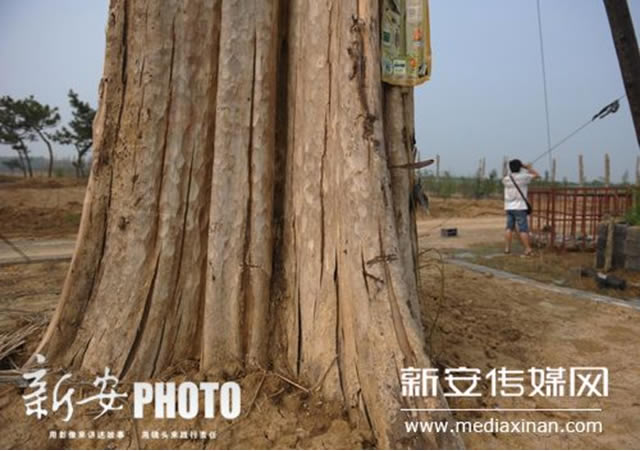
245	206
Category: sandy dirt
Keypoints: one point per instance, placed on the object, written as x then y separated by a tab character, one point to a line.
40	207
481	322
457	207
470	232
490	323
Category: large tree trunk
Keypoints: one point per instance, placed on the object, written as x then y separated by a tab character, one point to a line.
243	207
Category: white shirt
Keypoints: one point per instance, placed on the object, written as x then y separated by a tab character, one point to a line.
513	200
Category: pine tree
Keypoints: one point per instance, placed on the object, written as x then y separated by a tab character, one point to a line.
79	133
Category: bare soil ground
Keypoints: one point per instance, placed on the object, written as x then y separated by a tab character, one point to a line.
490	323
480	322
40	207
442	208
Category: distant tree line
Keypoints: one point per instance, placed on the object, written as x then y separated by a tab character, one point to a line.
448	185
24	121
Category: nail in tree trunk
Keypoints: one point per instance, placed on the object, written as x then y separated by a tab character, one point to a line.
625	43
241	172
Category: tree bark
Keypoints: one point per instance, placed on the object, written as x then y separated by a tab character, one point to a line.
241	172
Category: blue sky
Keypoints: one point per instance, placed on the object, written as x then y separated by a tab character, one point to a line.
485	98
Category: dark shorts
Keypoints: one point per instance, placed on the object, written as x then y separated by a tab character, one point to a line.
518	217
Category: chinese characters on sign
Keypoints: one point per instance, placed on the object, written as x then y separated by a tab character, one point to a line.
83	434
170	400
120	434
503	382
34	400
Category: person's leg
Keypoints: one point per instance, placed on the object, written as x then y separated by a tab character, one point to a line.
509	227
508	241
524	231
525	239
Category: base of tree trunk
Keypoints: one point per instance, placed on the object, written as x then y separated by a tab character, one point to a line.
243	207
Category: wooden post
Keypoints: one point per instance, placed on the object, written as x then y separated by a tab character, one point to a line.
438	166
607	170
609	246
581	174
553	170
625	43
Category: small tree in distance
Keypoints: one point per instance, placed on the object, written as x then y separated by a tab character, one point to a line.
39	118
79	133
14	132
24	120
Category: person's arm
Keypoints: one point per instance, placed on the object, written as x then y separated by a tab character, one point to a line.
531	170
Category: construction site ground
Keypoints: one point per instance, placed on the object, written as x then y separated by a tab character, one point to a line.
472	318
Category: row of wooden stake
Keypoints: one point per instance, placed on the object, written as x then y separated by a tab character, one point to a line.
480	173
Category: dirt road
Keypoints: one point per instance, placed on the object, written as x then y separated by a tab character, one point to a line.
471	231
21	250
479	321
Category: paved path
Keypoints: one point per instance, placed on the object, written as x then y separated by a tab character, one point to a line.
30	251
634	303
22	250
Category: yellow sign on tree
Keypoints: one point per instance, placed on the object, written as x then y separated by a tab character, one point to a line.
406	55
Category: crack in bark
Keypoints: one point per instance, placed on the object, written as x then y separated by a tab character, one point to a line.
159	347
399	328
363	402
80	354
356	51
338	334
167	122
181	249
247	307
142	323
299	351
322	203
325	138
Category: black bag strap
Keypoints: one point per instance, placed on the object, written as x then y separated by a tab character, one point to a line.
518	188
